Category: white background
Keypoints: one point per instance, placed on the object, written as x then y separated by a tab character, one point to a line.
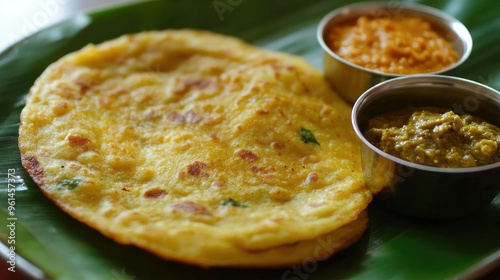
19	18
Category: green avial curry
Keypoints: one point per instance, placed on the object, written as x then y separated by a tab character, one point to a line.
435	137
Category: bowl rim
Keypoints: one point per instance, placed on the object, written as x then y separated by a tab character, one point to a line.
453	24
436	78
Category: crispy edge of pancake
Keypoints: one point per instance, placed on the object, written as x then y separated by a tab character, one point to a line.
316	249
301	252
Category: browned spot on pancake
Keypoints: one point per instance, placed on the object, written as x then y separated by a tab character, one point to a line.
62	105
196	168
155	193
304	86
75	140
312	177
175	117
277	145
247	155
83	85
214	137
30	163
277	220
75	166
190	117
192	208
61	108
262	170
219	184
326	111
316	205
194	84
216	71
181	175
66	91
261	112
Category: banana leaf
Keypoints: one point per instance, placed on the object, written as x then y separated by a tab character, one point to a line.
49	244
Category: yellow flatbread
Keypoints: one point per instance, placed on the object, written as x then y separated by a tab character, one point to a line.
197	147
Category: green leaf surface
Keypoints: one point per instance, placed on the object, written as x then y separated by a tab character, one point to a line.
394	247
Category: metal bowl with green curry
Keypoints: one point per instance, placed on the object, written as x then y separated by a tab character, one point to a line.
430	145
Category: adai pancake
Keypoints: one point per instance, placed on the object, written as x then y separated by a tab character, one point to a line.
197	147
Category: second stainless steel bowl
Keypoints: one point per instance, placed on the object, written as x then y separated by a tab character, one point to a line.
419	190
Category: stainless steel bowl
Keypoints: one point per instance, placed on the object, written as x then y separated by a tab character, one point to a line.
419	190
351	80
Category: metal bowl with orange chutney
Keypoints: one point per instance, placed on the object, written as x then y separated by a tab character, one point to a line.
367	43
400	44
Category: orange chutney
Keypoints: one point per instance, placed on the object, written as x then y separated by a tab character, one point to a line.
397	45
